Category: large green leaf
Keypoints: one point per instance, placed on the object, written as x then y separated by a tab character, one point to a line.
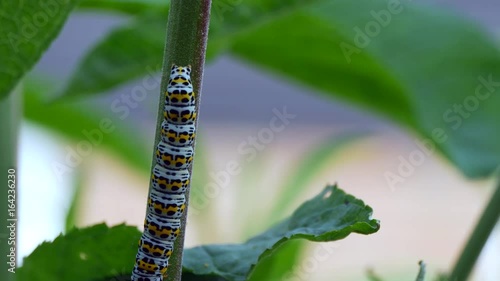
83	254
312	163
414	64
331	215
115	60
102	253
280	264
27	27
128	52
419	64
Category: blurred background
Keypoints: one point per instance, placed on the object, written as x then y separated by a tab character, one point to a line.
427	216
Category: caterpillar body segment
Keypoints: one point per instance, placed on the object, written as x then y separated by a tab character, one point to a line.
170	178
154	248
148	265
162	228
174	158
170	181
170	206
177	135
180	115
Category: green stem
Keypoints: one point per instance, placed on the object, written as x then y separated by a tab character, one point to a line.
479	236
372	276
421	271
71	215
10	116
187	32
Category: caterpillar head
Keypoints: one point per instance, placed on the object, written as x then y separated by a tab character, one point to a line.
179	70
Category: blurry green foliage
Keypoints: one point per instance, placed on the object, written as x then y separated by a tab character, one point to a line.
419	66
27	27
430	71
99	252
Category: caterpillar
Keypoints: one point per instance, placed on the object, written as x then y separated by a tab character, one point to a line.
169	179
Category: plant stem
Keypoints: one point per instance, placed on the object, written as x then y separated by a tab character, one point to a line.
187	32
10	117
421	271
370	274
479	236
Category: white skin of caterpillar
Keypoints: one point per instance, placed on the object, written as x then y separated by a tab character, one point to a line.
177	135
149	265
174	158
167	206
162	228
180	97
154	248
168	181
170	178
179	115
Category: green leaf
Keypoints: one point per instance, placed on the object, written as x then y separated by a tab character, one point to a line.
102	253
26	30
413	68
418	68
127	52
114	60
72	119
310	165
72	213
187	276
83	255
132	7
331	215
280	264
